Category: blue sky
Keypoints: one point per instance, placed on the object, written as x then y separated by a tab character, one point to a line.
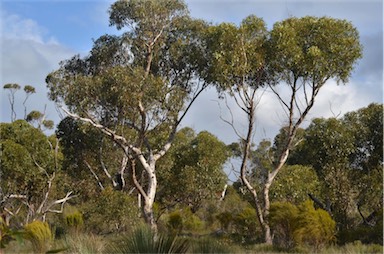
36	35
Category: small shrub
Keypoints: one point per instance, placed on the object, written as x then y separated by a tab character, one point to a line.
175	222
225	219
74	221
191	221
40	235
144	240
245	225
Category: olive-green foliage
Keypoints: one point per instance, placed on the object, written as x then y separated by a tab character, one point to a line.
40	235
209	245
246	225
366	234
315	227
293	183
85	243
225	218
301	226
144	240
347	156
192	171
111	211
27	162
314	48
283	219
73	219
175	222
191	221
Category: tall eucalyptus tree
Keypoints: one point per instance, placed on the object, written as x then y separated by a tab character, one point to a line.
136	88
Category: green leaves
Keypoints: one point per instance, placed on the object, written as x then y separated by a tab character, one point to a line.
237	53
312	48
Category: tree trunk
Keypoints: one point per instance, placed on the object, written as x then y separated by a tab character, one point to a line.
148	215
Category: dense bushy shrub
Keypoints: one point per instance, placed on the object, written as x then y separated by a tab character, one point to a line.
245	225
315	227
301	226
283	218
111	211
175	222
40	235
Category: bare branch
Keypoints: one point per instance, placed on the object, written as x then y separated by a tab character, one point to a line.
94	174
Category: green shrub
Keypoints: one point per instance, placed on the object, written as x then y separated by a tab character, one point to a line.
315	227
175	222
144	240
191	221
112	211
225	219
245	225
40	235
303	226
283	220
74	220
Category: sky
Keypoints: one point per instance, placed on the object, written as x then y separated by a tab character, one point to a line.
36	35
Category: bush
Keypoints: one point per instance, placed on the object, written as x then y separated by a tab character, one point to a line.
245	225
73	220
144	240
283	220
112	211
314	227
175	222
40	235
301	226
225	219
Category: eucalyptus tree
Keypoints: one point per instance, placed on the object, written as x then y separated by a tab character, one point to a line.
137	87
301	53
305	53
192	171
30	167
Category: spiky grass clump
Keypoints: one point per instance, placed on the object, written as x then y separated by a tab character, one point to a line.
144	240
40	235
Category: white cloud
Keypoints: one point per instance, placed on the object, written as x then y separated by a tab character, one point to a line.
28	54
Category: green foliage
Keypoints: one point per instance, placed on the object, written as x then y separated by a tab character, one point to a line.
191	221
28	159
237	54
8	234
111	211
40	235
246	226
225	218
175	222
313	48
192	172
73	220
209	245
347	156
144	240
12	86
283	219
301	226
315	227
293	183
